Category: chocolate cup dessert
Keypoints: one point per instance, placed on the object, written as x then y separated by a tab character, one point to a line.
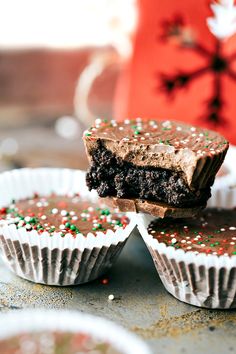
167	163
64	332
196	258
54	231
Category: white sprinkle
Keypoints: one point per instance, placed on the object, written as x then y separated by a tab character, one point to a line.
20	223
232	243
174	240
127	121
232	228
54	211
74	217
111	297
63	213
98	121
202	245
183	241
178	129
28	227
189	247
27	218
234	238
189	242
61	227
121	128
222	229
166	124
72	213
39	204
193	129
43	217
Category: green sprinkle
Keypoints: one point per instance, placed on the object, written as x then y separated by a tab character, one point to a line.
136	132
67	224
234	252
88	134
105	212
73	227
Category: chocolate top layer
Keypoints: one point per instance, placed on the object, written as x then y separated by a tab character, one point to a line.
63	214
214	232
164	144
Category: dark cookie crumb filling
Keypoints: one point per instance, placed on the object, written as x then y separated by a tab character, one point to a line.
114	177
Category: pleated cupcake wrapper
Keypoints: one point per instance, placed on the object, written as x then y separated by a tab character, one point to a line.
198	279
33	321
224	189
55	260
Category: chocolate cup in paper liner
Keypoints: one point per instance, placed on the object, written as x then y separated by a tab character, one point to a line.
198	279
33	321
55	260
223	192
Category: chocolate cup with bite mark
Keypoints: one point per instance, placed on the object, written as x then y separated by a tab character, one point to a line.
161	167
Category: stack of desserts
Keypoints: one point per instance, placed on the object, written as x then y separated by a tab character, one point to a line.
164	171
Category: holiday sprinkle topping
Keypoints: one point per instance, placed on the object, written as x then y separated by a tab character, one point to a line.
214	232
175	136
63	215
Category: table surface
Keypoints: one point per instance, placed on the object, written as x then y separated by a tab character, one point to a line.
141	303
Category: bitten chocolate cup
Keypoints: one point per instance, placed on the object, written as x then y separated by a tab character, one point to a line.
162	168
49	255
196	258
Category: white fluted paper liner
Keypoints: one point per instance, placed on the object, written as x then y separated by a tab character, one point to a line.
199	279
33	321
223	192
55	260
